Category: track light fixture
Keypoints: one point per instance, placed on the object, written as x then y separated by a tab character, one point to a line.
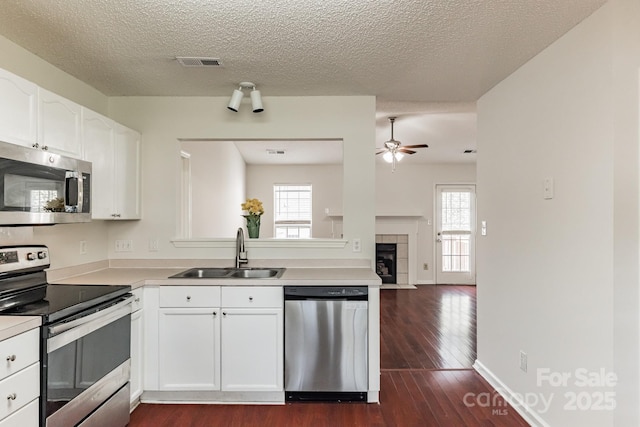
236	98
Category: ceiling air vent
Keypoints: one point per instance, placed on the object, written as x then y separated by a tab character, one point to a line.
274	151
469	151
193	61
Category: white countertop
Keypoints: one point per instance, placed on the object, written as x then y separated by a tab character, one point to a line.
11	326
136	277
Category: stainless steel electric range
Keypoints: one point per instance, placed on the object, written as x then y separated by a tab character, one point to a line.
84	340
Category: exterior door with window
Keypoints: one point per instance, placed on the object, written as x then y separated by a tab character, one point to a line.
455	234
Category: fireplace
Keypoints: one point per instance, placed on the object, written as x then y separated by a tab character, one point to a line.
392	258
386	262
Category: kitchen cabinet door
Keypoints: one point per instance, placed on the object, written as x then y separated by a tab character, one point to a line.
189	346
114	151
126	173
18	110
252	351
58	124
137	348
97	137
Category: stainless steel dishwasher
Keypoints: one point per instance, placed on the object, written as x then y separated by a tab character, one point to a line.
326	346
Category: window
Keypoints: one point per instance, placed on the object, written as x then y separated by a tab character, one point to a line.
292	216
456	230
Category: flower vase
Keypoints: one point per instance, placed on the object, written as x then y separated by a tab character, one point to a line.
253	227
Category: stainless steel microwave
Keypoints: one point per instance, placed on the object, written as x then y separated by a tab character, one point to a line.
38	187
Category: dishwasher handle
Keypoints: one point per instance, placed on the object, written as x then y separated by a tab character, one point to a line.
333	293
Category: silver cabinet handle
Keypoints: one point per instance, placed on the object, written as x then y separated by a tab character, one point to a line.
215	313
11	358
137	300
36	145
188	298
45	147
250	298
224	313
12	396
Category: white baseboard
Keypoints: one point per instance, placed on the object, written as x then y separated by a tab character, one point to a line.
521	408
425	282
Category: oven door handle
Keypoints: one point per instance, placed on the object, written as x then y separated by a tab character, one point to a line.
63	334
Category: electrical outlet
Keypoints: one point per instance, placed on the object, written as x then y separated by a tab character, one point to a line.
357	245
124	245
523	361
83	247
425	266
153	245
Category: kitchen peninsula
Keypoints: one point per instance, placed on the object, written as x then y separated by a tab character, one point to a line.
219	339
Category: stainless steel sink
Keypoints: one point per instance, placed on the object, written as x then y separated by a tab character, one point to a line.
203	273
230	273
257	273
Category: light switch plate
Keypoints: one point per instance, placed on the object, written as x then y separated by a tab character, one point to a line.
357	246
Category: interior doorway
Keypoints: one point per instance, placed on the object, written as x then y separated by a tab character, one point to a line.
455	234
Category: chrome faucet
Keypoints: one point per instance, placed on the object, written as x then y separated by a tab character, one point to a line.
241	254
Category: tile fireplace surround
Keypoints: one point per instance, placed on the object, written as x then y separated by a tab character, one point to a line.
402	254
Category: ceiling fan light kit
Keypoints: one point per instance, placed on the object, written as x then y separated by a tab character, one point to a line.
394	151
237	95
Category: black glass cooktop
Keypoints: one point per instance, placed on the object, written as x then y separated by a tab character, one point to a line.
60	301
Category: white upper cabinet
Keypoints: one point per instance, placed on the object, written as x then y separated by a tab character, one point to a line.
114	152
18	109
35	117
127	172
97	135
58	124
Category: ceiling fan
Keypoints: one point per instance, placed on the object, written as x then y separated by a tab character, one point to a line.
393	150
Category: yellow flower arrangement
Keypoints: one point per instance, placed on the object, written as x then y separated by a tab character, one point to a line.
253	207
254	211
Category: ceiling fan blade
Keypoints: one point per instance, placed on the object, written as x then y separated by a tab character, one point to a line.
404	150
381	151
416	146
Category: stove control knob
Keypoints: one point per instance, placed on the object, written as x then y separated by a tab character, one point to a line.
31	256
42	255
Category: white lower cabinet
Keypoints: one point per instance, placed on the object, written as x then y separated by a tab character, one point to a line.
189	343
137	345
28	416
252	349
20	380
227	339
189	338
252	339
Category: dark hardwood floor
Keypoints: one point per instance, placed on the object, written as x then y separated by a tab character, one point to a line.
428	344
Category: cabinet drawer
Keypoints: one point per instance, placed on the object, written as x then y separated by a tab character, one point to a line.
25	417
252	296
19	389
138	301
18	352
190	296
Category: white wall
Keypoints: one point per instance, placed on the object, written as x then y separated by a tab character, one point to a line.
558	278
218	182
164	120
405	202
326	182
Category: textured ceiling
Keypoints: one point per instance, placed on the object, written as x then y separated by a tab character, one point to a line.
409	54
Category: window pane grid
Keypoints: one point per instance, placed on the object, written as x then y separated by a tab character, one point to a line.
455	253
456	211
292	216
